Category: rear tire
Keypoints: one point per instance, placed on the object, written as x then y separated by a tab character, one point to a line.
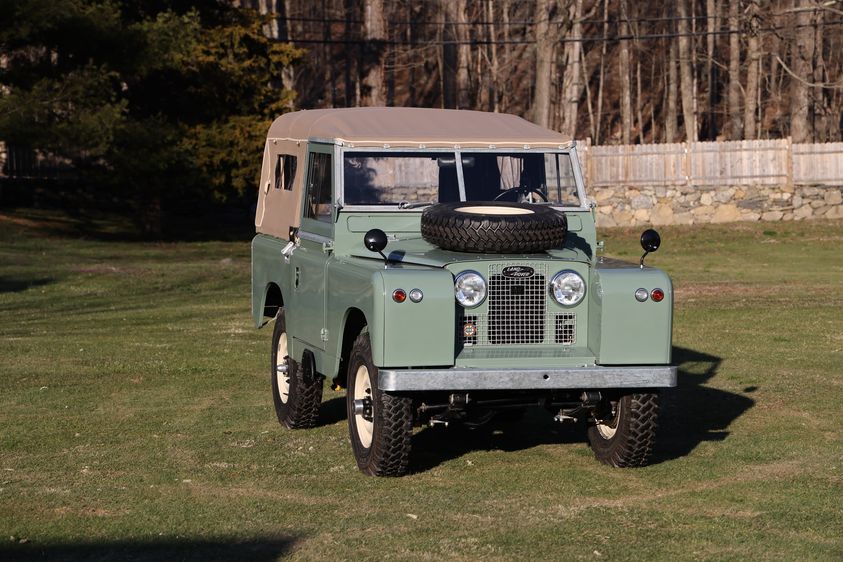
624	429
381	432
296	401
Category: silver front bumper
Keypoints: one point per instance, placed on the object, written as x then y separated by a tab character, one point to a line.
526	379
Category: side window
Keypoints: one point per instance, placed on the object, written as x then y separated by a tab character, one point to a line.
285	171
318	198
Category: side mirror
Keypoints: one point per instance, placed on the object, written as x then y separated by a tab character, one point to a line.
375	241
650	241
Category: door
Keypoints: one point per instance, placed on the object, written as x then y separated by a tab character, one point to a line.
307	320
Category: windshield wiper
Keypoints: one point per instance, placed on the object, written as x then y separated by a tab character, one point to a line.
408	205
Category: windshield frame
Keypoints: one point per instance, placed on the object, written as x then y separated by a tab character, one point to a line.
457	153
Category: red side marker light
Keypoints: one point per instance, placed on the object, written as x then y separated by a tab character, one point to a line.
399	295
657	295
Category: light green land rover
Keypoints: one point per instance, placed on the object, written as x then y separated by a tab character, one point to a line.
441	266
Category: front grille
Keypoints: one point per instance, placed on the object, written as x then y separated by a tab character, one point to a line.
516	307
518	311
566	328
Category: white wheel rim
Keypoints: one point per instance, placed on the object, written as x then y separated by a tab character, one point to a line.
494	210
607	431
363	390
282	380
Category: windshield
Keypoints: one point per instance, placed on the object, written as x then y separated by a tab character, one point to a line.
378	178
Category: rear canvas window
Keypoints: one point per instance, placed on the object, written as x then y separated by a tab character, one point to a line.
285	171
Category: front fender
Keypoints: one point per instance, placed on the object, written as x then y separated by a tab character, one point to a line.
413	334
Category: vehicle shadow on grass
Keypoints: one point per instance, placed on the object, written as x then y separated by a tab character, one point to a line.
693	413
254	550
690	414
436	445
332	411
17	285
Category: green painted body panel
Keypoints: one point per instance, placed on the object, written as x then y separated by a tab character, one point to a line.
267	268
306	304
419	334
524	356
623	331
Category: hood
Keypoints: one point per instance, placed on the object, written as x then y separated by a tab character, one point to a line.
415	251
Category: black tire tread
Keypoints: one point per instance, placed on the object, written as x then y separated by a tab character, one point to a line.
389	453
633	443
302	408
443	226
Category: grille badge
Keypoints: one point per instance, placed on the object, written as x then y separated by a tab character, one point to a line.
518	271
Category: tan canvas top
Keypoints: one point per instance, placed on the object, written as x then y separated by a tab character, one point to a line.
413	126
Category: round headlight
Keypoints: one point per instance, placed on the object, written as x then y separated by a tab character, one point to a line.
469	288
567	287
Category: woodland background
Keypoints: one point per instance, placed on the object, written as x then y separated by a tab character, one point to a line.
616	71
157	106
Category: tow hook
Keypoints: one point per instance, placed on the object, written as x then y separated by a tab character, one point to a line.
562	417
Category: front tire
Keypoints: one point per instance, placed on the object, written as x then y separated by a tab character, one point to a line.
296	400
380	424
624	428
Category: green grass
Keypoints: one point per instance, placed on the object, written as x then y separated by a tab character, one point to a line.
136	420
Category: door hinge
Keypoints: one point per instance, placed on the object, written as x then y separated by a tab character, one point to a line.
324	334
327	247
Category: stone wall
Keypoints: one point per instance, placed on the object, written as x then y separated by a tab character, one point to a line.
622	206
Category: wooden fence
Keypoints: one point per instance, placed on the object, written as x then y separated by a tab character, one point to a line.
706	164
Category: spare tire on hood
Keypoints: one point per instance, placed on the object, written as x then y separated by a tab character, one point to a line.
493	227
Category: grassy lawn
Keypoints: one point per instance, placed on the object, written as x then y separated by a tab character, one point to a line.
136	420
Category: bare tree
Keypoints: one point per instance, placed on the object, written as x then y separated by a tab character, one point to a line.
374	32
455	55
545	46
734	95
603	45
801	64
686	72
572	80
672	90
623	68
753	60
712	26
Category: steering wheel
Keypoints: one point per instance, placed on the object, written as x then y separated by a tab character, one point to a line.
521	190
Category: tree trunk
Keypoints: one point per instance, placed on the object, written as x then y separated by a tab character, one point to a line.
455	55
626	87
545	44
801	63
350	88
753	59
282	33
820	109
507	54
638	102
734	92
572	81
686	73
602	72
374	32
672	86
493	56
712	26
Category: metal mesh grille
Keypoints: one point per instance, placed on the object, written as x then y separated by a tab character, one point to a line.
516	307
517	313
566	328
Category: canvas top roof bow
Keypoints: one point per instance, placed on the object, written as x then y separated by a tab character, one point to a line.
412	127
